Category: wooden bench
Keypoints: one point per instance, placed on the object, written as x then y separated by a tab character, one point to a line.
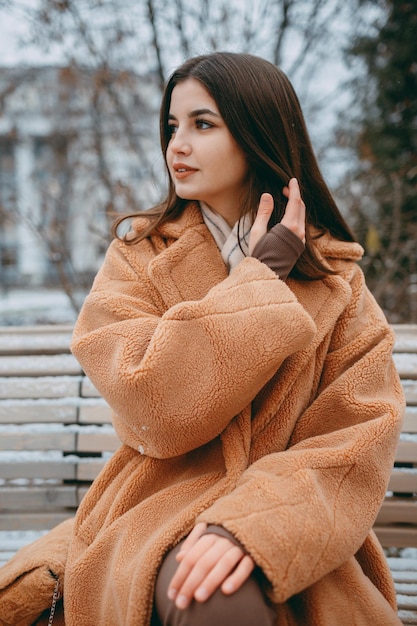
55	430
56	434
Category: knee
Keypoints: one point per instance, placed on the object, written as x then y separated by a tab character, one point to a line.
248	606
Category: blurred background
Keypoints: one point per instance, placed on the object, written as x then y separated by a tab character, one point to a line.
80	87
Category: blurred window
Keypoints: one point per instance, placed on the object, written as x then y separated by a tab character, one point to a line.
8	212
50	175
51	179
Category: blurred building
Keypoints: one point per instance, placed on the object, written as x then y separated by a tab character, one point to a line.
75	146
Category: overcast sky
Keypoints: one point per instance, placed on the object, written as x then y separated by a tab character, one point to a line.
14	29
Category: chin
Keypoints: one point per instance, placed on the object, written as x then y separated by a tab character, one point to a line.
184	195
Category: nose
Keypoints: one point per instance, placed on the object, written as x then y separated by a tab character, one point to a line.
179	143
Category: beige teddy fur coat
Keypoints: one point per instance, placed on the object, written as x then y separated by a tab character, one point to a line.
272	409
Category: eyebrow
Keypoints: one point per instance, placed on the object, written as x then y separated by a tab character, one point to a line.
196	113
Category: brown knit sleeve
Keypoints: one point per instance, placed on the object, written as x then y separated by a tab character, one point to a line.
213	529
279	249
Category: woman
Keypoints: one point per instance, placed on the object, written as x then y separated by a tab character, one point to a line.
268	409
251	380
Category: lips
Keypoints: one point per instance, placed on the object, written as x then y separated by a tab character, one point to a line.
181	170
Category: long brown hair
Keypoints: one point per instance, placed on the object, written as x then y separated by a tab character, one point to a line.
263	114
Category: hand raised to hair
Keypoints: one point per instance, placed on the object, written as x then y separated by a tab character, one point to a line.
295	211
280	247
293	219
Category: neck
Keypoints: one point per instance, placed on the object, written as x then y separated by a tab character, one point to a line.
230	214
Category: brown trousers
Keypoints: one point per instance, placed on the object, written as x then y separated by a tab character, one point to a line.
248	606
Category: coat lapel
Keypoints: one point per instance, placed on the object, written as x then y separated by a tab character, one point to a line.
191	265
324	300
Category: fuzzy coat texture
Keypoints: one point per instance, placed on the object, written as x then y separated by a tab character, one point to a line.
272	409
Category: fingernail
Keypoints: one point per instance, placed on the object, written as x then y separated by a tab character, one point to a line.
201	594
228	587
172	593
182	602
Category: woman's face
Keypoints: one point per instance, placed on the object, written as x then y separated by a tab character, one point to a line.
204	161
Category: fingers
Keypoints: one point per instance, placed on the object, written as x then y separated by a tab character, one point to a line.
239	576
211	563
260	225
294	216
192	538
187	563
295	211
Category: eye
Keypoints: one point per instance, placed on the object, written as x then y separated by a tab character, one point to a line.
172	129
203	124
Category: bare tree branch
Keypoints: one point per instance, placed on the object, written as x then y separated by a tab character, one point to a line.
282	28
156	43
179	24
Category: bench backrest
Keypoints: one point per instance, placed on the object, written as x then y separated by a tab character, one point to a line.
396	524
55	430
56	434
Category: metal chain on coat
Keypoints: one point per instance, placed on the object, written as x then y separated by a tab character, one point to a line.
55	599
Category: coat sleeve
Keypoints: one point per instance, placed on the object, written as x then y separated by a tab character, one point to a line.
303	512
176	379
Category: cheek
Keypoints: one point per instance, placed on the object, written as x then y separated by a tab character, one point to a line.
169	160
238	161
239	168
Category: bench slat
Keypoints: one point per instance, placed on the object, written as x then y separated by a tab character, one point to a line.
403	480
35	340
95	413
410	420
396	509
39	469
69	410
88	390
100	442
29	520
406	364
400	537
410	391
407	602
38	498
89	471
405	337
84	439
42	387
68	468
65	441
407	618
404	577
28	411
41	365
406	452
